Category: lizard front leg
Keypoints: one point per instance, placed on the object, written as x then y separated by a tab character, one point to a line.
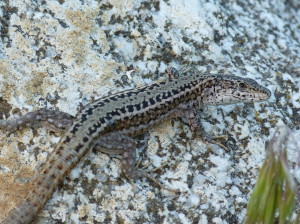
198	129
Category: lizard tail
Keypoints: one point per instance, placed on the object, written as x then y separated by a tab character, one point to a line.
48	177
46	182
22	214
35	200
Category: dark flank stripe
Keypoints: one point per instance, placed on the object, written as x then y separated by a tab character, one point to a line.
78	147
137	106
152	101
67	139
90	111
85	139
130	108
75	128
145	104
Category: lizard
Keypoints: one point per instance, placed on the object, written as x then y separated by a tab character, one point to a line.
111	123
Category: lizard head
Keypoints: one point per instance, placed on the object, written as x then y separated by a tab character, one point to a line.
233	89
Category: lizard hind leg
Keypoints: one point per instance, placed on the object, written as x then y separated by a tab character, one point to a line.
53	120
117	143
132	172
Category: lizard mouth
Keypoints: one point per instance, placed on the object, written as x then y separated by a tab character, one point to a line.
262	93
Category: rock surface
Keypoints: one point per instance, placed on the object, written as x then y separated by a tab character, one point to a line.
63	54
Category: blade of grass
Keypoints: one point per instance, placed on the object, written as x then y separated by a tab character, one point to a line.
274	194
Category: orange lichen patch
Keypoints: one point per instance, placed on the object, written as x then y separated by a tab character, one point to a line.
73	46
37	84
7	82
14	184
82	19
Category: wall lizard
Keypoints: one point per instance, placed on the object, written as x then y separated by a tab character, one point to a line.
111	122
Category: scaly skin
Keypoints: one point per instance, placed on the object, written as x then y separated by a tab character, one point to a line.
118	117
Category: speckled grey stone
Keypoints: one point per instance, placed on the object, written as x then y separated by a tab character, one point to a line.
63	54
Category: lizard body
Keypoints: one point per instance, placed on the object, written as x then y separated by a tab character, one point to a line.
111	122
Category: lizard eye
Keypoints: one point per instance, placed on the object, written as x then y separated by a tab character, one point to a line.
242	85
